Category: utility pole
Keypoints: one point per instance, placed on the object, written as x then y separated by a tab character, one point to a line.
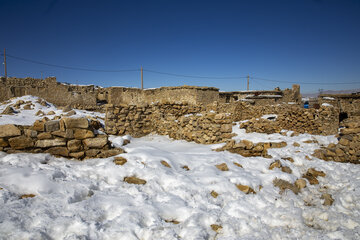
5	64
248	79
142	79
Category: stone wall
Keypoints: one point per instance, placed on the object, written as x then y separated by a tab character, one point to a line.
213	123
183	94
261	98
178	120
348	147
83	97
324	121
348	104
68	137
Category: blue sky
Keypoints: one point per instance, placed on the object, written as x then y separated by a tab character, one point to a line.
304	41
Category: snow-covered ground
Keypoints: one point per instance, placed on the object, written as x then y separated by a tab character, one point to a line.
90	200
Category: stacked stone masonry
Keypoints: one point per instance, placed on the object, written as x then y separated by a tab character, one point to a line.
68	137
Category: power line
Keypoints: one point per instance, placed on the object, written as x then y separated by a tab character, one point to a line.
189	76
313	83
71	68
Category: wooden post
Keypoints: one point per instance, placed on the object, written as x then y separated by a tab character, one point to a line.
142	80
5	70
248	78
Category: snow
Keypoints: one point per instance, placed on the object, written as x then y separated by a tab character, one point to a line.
328	98
27	117
90	200
326	105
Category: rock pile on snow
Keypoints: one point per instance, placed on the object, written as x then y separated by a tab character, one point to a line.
68	137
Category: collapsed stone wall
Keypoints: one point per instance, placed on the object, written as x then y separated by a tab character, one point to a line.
68	137
348	104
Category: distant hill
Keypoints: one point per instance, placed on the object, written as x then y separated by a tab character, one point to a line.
331	92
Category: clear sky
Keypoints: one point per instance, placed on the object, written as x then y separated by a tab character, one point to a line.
302	41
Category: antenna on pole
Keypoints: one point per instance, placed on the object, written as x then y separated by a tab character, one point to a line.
5	70
248	79
142	79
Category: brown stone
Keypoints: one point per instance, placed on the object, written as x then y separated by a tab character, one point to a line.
30	133
276	164
68	133
215	227
38	126
344	142
92	152
110	152
75	145
238	164
295	144
76	123
83	134
164	163
44	135
328	200
58	151
300	183
214	194
226	128
222	167
27	196
172	221
119	160
3	143
50	143
134	180
286	169
77	155
316	173
21	142
339	152
186	167
288	159
51	126
97	142
8	111
245	189
278	144
248	144
283	185
51	113
9	130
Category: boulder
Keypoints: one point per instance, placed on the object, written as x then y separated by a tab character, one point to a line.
50	143
44	135
97	142
164	163
21	142
58	151
134	180
110	153
222	167
51	126
76	123
83	134
245	189
3	143
119	160
9	130
75	145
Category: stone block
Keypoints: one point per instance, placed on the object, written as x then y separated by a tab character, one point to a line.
51	126
21	142
97	142
58	151
50	143
75	145
76	123
83	134
9	130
